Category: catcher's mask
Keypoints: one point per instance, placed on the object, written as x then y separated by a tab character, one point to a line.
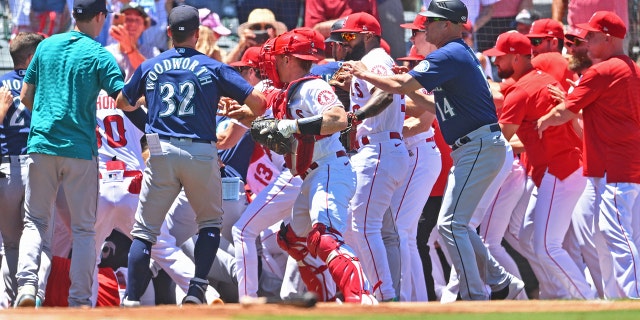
302	43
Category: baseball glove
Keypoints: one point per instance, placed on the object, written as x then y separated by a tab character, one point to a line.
265	132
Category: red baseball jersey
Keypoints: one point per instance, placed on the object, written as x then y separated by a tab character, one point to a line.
609	97
555	65
559	149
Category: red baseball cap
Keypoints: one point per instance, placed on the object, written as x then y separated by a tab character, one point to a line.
545	28
385	46
575	32
413	55
511	42
605	22
250	58
360	22
417	24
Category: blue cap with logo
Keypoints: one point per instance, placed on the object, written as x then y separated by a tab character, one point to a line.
184	18
89	6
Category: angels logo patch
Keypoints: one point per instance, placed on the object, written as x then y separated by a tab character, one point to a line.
379	70
423	66
326	97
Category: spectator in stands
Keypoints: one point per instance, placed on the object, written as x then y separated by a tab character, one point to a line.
288	11
322	14
211	29
260	26
126	29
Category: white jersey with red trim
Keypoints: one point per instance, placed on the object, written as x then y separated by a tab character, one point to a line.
392	118
117	135
313	97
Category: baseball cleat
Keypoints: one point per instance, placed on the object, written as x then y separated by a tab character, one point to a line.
510	292
130	303
26	297
196	293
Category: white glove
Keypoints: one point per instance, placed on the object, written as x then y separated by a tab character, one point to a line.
287	127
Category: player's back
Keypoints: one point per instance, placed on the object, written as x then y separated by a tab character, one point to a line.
14	130
117	136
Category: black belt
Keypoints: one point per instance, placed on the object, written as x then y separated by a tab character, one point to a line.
464	140
168	138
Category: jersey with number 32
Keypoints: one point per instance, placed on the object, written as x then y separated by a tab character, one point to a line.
460	88
182	87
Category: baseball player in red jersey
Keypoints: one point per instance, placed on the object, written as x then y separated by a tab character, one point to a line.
310	109
547	39
380	151
610	107
555	161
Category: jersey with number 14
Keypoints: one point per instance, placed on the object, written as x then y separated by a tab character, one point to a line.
14	130
182	87
460	88
392	117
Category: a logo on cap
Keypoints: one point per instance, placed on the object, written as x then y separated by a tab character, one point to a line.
181	28
79	10
605	29
463	18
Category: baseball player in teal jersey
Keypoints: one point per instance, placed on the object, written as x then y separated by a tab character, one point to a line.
61	86
182	88
481	155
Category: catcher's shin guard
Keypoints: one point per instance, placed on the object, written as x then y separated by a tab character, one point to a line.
313	272
343	265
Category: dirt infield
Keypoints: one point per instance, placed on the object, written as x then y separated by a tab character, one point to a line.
231	311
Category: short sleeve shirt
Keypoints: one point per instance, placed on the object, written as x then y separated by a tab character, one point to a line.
559	150
609	98
460	88
183	87
68	71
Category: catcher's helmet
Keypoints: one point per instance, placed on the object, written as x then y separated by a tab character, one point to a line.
302	43
452	10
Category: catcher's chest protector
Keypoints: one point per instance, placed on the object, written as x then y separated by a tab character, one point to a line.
301	158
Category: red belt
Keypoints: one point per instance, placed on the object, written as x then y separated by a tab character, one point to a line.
127	174
431	139
314	165
365	140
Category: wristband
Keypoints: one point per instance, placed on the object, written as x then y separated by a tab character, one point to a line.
310	125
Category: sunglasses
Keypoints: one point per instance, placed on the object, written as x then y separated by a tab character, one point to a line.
261	26
348	36
536	41
414	32
576	42
430	20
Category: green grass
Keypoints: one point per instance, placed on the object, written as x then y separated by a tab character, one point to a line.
595	315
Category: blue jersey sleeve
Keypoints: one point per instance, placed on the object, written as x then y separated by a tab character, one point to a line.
232	84
134	88
435	70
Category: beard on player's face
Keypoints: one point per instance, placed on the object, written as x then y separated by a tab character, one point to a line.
505	73
357	51
579	61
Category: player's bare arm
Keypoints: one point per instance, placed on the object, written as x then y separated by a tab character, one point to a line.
557	116
254	106
509	130
418	103
414	125
398	83
230	136
330	121
122	103
27	95
6	100
379	101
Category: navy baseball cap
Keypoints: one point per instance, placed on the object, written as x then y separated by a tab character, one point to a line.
452	10
336	36
184	18
89	6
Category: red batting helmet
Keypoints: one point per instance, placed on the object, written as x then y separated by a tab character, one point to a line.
302	43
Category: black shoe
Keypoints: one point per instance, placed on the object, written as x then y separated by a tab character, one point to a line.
196	293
